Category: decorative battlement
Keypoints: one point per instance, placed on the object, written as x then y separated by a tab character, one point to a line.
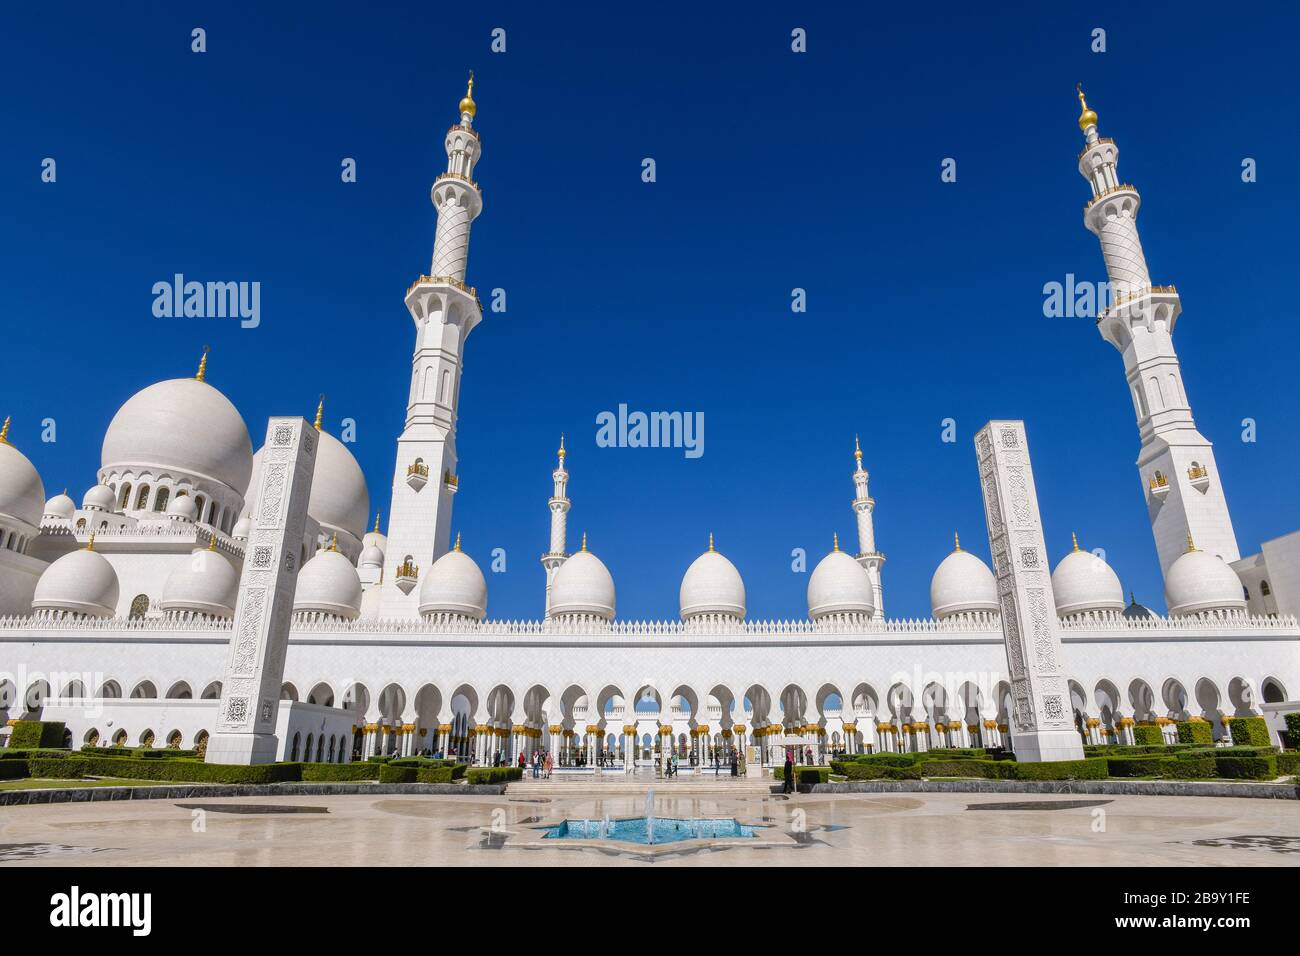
1122	187
464	179
1099	141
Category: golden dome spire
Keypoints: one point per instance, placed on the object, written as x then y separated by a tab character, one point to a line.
837	541
467	104
1087	117
1076	540
4	432
212	542
334	544
376	522
1190	545
857	450
956	543
710	542
561	452
320	411
201	375
90	545
584	541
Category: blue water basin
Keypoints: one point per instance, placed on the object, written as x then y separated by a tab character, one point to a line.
637	830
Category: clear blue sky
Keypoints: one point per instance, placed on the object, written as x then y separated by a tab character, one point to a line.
775	171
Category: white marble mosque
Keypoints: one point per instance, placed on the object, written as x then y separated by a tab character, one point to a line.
115	614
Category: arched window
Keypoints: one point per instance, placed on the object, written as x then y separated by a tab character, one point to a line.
139	606
199	502
174	740
331	750
1264	589
1273	692
320	748
146	739
293	752
81	524
91	739
307	751
142	498
119	738
125	499
160	500
201	742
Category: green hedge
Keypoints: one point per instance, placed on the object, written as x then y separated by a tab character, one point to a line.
876	770
338	772
1230	752
494	774
1293	730
1195	732
37	733
1288	762
390	774
1247	768
1126	750
1250	732
9	753
1146	735
13	769
987	769
1090	768
172	771
1165	768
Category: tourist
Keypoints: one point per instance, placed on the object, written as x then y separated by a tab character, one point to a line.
733	764
787	784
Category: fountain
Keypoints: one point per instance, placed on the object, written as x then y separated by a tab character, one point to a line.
650	815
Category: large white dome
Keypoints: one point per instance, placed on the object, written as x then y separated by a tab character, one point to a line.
839	585
180	425
328	584
206	583
1200	582
712	585
454	585
1084	582
22	494
583	585
962	584
339	501
82	582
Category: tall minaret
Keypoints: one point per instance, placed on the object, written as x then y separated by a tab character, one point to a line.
1179	477
863	506
444	310
559	505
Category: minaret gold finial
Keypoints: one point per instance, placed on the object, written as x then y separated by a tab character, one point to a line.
1086	117
956	542
4	432
456	546
212	542
376	522
334	543
561	452
1076	540
1190	545
320	411
467	104
201	375
584	541
90	545
710	542
837	541
857	450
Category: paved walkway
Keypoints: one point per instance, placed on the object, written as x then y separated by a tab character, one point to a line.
942	829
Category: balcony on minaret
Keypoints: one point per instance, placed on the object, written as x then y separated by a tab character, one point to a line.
408	574
1146	308
425	285
450	482
1159	486
417	474
1198	476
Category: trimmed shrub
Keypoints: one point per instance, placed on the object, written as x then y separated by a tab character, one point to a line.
1148	735
1246	768
107	751
873	770
1250	732
887	759
1195	732
491	774
390	774
11	754
57	768
1195	752
338	772
1293	730
13	769
37	733
434	774
160	753
1288	762
184	771
1164	768
1090	768
986	769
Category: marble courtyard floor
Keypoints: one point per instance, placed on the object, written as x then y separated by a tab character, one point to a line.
939	829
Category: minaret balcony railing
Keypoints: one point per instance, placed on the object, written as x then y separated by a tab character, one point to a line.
452	281
418	468
1122	187
408	573
1159	486
451	481
1196	471
464	129
1100	141
463	179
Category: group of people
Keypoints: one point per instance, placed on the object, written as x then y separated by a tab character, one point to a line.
734	760
540	761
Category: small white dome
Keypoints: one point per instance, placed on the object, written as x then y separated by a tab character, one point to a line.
182	508
962	584
60	506
1199	582
242	527
206	583
182	425
98	498
454	585
339	500
583	585
375	538
712	585
372	557
82	582
22	495
328	584
839	585
1084	582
